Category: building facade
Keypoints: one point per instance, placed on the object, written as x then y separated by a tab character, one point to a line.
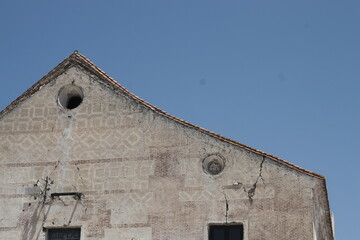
83	158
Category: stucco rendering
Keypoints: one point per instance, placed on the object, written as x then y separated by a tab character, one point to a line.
78	151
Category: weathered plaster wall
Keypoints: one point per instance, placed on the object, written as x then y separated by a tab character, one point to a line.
320	213
141	174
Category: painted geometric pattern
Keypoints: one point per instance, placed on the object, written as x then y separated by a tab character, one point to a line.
21	176
101	108
231	194
76	145
108	143
129	208
27	148
114	175
22	120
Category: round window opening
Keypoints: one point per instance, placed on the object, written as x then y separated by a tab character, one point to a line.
214	164
70	96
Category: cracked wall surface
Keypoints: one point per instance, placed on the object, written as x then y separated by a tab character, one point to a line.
140	174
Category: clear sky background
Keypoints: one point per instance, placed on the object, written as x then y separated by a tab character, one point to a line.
280	76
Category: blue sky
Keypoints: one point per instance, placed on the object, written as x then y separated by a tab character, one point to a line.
280	76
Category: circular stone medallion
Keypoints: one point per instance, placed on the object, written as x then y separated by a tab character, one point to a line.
213	164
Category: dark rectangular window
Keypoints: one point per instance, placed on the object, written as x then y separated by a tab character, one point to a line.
63	234
226	232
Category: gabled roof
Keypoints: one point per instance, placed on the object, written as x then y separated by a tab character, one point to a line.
77	59
80	60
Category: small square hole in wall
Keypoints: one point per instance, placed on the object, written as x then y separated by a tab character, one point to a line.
226	232
63	234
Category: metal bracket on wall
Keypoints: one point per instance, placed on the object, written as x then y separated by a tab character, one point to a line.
77	195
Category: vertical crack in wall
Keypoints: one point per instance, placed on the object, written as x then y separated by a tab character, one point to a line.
252	190
83	205
220	189
56	165
81	178
226	206
45	189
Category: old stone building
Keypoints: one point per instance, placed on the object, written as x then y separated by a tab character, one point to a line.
83	158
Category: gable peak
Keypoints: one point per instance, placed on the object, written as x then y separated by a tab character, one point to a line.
77	59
